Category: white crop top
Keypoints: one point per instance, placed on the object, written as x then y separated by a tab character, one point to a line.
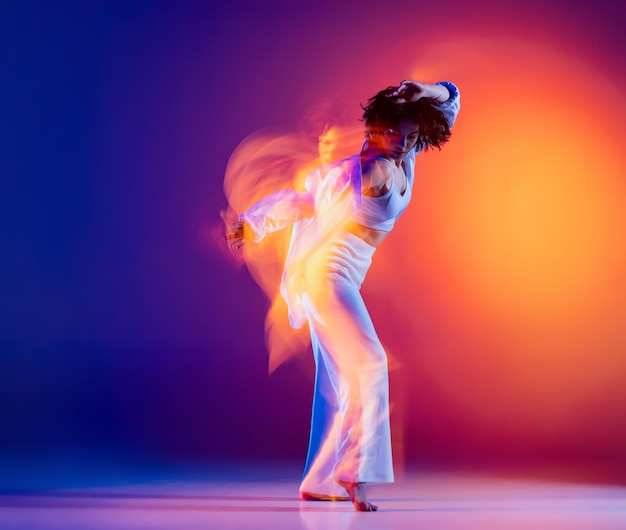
381	213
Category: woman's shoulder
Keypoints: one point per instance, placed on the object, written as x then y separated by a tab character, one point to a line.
377	165
377	173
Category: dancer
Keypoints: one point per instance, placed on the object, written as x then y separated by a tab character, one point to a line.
348	209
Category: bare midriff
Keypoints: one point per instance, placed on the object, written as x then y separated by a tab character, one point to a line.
371	236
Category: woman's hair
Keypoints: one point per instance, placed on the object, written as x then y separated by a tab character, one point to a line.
384	111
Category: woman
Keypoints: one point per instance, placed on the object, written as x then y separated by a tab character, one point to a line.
346	212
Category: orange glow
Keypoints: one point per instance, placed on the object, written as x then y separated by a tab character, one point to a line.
264	163
504	284
515	247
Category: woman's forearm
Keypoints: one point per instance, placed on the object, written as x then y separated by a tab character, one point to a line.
277	211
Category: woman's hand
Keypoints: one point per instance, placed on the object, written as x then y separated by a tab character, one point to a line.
239	234
410	90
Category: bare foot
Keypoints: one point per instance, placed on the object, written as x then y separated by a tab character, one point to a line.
358	496
308	496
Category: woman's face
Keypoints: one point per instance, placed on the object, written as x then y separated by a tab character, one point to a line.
395	142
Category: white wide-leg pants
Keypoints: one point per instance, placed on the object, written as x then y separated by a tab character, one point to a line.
350	435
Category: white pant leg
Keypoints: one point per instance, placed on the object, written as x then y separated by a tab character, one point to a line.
350	434
325	429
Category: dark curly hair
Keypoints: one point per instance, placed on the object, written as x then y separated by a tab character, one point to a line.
383	111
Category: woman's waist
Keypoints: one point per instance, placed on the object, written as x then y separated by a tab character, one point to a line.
371	236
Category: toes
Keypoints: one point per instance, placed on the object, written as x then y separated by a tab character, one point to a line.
361	506
357	493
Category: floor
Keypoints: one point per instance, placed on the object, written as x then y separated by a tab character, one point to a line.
265	497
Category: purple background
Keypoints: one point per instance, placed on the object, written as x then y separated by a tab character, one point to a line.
121	330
